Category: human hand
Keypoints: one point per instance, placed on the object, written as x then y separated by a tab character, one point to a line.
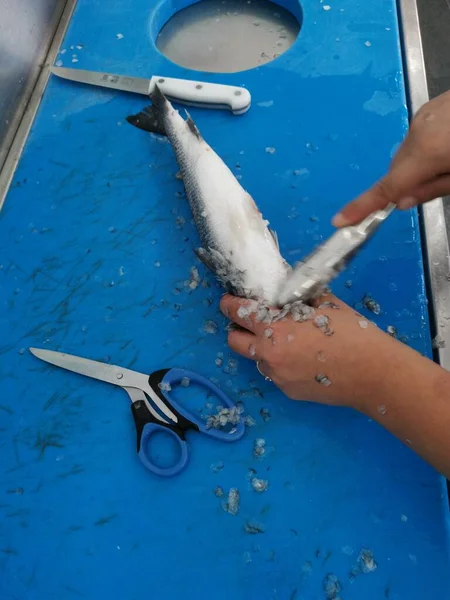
420	170
336	357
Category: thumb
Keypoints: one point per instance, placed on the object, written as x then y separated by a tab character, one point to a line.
399	183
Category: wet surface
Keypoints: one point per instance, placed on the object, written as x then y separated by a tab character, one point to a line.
228	35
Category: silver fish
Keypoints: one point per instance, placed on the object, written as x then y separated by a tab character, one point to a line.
238	247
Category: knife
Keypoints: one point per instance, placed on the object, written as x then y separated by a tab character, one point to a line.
184	91
310	277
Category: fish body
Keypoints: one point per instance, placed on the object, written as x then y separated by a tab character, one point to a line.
237	244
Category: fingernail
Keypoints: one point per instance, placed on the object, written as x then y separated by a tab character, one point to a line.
407	202
339	220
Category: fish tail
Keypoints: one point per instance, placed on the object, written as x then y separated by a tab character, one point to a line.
151	118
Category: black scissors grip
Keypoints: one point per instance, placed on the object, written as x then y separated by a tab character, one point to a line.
142	417
169	376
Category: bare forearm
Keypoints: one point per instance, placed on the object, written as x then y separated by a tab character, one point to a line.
412	401
339	358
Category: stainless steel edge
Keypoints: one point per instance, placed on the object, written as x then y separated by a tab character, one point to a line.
436	243
14	63
21	135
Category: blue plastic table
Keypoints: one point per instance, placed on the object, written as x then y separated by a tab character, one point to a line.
96	243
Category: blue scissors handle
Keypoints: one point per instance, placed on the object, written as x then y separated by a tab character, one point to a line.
147	424
174	376
149	430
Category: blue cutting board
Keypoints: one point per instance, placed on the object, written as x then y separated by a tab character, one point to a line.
96	243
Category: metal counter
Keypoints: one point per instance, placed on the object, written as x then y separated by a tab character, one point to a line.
26	32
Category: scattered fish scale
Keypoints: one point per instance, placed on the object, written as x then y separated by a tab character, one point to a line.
223	417
231	506
254	527
210	327
332	587
323	379
164	387
329	304
265	414
371	304
365	563
232	366
218	491
438	342
322	322
297	310
217	467
244	312
251	473
194	280
259	447
259	485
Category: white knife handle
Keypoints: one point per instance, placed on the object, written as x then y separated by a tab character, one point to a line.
200	93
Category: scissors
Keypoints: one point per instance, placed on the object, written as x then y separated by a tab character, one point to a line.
152	409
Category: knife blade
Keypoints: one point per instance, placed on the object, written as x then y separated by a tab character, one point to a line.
311	276
184	91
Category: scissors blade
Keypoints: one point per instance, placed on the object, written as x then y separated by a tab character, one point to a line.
137	85
124	378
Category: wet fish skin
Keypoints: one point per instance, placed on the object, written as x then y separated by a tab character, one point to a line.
237	245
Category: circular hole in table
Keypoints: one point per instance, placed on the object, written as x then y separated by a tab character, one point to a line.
228	36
